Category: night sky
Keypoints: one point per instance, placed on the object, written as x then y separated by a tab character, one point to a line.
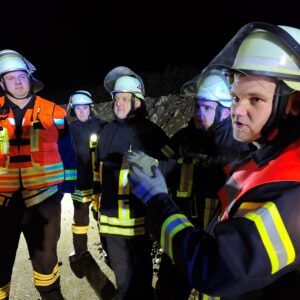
73	44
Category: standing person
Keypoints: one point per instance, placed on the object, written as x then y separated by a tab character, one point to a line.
122	216
85	131
38	165
252	250
203	149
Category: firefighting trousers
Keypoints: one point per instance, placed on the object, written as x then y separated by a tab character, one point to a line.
40	225
80	225
130	260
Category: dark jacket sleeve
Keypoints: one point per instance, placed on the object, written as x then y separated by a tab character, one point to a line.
67	152
234	259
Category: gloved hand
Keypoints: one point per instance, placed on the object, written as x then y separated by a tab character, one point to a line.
143	160
145	187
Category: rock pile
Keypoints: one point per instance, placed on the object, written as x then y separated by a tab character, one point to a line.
170	112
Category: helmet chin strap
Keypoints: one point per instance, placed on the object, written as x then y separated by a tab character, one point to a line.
132	107
218	114
278	114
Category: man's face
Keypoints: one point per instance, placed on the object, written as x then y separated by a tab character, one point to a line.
204	113
17	83
122	104
251	106
82	112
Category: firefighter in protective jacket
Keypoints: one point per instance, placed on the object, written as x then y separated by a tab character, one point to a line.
38	165
122	217
85	131
203	148
251	251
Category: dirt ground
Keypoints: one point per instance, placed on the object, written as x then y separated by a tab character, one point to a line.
97	279
92	280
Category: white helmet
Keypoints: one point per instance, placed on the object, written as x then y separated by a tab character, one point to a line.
80	97
129	84
267	50
11	60
215	87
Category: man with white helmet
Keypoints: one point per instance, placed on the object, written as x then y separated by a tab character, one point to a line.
122	217
38	165
85	130
202	148
251	251
209	132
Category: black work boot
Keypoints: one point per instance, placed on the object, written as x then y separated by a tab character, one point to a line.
77	256
80	247
52	295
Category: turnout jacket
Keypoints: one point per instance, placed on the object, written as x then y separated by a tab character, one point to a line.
197	174
121	213
252	250
36	152
217	144
81	133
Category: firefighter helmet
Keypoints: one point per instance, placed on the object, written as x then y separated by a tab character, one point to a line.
265	53
267	50
215	87
80	97
129	84
11	60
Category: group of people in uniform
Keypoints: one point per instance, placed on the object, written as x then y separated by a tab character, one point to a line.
220	196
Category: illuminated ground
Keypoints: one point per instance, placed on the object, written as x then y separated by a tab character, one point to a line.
93	286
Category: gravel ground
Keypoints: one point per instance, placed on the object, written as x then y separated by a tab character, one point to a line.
91	280
97	279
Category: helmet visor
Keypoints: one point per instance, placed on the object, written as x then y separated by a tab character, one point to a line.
117	72
262	49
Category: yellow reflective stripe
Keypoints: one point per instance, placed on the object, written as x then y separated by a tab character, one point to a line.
183	194
246	207
83	196
122	231
274	235
96	176
93	158
121	222
4	291
167	151
32	197
123	209
210	206
123	180
207	297
34	139
186	180
4	142
79	229
101	171
171	226
46	279
126	227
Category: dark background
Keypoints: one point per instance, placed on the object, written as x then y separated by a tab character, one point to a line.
74	44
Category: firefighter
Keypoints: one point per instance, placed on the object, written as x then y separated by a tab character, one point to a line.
203	148
251	251
38	165
85	130
122	217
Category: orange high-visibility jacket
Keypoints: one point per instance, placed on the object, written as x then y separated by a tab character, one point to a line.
34	158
